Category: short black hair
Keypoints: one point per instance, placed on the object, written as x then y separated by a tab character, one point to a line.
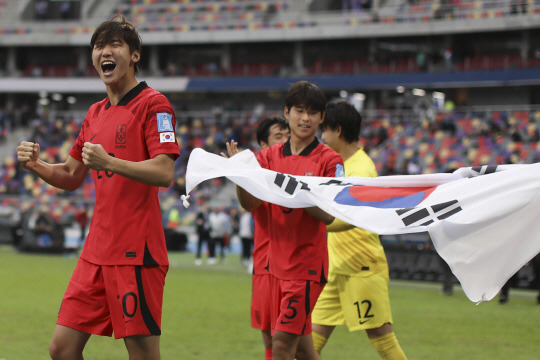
118	27
263	129
304	93
341	113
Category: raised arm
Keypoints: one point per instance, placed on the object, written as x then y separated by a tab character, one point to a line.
246	200
67	176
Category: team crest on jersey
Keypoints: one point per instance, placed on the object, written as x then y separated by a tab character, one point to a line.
164	122
121	134
166	137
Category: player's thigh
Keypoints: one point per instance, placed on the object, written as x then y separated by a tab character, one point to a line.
328	310
365	301
292	308
84	305
261	305
135	298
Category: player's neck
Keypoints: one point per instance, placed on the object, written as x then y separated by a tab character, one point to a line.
348	150
118	90
299	144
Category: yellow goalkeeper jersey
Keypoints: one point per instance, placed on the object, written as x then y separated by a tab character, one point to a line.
356	251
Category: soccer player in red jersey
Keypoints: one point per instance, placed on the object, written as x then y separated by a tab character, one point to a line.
297	256
128	142
270	131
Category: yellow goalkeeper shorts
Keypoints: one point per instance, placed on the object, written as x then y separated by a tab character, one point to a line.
360	302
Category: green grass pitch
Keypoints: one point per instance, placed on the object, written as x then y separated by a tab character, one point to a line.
206	316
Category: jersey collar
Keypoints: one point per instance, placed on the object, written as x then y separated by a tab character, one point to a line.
287	148
130	95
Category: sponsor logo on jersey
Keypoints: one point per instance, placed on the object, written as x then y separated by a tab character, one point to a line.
166	137
164	122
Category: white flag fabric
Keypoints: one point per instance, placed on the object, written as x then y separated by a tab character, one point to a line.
482	220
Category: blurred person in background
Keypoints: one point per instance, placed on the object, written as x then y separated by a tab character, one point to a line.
42	224
504	295
245	231
203	232
220	229
81	217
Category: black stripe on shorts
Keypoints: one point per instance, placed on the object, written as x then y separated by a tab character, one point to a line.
307	303
145	311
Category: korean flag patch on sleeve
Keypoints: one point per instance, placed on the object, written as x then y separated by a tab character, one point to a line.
165	137
164	122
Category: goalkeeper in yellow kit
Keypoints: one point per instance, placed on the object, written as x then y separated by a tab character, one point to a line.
357	290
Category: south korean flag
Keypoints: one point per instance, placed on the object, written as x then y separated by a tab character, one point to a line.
166	137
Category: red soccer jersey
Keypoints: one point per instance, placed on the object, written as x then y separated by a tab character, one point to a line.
297	249
126	227
260	239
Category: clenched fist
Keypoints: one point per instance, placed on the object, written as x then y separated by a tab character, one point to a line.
95	157
28	154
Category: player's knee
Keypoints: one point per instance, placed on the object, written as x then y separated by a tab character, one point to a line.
380	331
281	350
59	352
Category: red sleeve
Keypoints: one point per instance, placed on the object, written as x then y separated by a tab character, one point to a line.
334	164
261	158
76	149
159	128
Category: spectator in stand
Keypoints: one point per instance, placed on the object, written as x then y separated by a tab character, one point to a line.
65	8
42	9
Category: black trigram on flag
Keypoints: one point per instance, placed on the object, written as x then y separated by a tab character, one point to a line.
428	215
485	169
289	184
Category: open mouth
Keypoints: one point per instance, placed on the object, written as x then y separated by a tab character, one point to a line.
108	67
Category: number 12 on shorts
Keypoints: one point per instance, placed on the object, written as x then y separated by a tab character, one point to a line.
363	318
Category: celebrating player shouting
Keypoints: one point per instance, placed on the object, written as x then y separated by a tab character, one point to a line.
128	142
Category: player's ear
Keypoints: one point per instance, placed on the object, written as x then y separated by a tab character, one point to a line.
286	113
135	56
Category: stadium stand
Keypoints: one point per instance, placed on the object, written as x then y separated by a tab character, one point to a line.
225	65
